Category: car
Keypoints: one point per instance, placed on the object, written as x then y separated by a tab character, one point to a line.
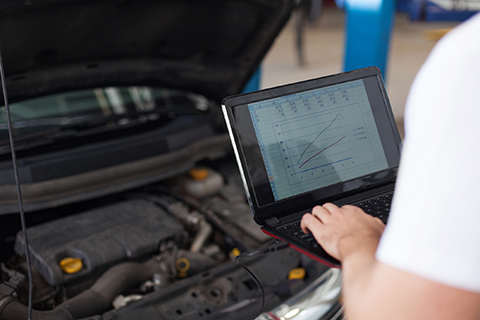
133	202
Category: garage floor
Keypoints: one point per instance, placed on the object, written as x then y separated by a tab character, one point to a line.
323	50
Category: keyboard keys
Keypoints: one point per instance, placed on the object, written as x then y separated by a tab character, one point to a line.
377	207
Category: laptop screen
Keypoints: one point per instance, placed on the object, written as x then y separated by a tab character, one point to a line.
313	140
316	138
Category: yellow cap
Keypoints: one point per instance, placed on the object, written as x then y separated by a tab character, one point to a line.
296	274
182	265
235	252
71	265
198	174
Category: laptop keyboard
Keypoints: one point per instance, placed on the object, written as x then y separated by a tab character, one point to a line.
377	207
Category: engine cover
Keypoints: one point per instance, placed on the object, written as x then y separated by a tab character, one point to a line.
99	237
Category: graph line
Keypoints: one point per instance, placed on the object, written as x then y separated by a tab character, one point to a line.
317	138
325	165
316	154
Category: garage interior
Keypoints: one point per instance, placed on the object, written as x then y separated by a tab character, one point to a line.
410	44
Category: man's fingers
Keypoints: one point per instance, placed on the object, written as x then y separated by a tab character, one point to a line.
324	213
310	222
330	207
320	213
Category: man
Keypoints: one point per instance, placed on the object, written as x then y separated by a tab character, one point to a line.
426	265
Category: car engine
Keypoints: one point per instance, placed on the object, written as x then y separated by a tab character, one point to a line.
163	251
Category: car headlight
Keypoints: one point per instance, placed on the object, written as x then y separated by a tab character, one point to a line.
314	302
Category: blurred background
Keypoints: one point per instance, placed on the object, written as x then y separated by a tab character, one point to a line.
322	47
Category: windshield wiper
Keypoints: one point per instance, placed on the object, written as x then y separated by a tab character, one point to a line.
67	127
59	123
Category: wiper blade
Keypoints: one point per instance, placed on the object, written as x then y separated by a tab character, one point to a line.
60	123
66	127
54	121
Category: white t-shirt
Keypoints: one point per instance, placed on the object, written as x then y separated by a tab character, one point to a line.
434	227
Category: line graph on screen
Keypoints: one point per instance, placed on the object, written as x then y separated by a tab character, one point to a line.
317	140
316	154
321	144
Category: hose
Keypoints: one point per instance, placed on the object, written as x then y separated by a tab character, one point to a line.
98	299
95	300
203	233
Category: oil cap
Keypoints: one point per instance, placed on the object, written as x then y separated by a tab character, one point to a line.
296	274
71	265
182	265
234	253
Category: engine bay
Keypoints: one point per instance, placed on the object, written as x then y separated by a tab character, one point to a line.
163	251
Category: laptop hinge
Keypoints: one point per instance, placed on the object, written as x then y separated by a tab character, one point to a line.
272	221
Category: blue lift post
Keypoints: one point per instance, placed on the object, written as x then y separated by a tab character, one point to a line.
254	83
368	26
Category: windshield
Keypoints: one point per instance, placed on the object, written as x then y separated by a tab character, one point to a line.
111	106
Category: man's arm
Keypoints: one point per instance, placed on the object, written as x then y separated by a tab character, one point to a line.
373	290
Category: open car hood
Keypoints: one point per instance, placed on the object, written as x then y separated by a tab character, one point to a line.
210	47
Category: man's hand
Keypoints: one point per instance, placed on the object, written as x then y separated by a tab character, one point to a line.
373	290
342	231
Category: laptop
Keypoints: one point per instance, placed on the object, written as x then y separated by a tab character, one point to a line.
330	139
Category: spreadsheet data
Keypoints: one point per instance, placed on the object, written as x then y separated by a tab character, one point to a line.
316	138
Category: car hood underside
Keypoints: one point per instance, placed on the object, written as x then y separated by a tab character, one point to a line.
210	47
